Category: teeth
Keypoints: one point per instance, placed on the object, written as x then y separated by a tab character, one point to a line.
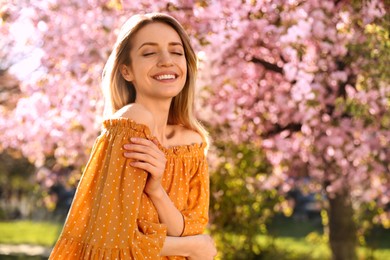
168	76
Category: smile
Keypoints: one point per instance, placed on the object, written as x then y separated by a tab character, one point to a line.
165	76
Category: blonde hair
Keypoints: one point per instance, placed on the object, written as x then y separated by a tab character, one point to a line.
118	92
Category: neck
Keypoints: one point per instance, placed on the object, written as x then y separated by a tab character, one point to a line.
160	111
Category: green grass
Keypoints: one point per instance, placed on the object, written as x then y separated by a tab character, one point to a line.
314	246
288	240
306	238
28	232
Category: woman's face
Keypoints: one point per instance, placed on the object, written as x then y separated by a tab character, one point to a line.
158	66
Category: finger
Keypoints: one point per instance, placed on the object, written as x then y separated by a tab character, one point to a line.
145	147
144	150
142	141
141	157
143	166
153	144
138	148
155	141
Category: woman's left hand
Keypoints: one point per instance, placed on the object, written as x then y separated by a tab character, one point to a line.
146	155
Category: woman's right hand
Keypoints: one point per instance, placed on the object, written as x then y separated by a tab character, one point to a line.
204	248
146	155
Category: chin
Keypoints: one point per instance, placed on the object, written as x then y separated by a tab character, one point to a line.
173	93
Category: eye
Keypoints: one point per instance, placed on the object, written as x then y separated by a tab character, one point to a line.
177	53
148	54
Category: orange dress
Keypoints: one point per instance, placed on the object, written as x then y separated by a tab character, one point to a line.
112	218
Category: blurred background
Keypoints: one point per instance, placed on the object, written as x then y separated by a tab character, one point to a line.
295	94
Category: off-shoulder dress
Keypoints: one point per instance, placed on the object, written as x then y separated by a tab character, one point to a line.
112	218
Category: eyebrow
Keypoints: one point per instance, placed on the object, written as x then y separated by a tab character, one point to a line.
155	44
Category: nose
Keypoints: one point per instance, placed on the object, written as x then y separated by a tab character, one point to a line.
165	59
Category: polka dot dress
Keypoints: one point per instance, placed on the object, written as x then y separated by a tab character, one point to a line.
112	218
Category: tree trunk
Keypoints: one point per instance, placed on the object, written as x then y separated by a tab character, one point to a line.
342	228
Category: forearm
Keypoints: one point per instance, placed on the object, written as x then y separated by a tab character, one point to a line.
177	246
193	247
168	213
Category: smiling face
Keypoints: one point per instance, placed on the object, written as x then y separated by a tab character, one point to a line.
158	66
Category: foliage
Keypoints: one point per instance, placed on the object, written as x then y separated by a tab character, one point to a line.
18	196
25	195
236	207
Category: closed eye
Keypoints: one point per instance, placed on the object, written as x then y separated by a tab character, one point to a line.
178	53
148	54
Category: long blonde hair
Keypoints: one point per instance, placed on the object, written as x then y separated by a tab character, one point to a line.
118	92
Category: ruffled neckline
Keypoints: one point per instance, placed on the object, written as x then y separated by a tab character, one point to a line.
177	149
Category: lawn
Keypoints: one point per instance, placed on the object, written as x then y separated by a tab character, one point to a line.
299	238
291	240
27	232
314	247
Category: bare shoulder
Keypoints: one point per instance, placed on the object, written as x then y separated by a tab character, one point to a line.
137	113
188	136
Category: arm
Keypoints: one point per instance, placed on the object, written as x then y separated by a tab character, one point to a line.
167	212
194	218
200	247
196	214
148	157
104	217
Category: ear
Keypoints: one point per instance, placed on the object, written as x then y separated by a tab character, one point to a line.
126	73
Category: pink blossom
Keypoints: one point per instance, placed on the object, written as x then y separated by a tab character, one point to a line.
270	74
290	71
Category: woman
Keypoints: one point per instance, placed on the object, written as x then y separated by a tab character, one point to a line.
145	191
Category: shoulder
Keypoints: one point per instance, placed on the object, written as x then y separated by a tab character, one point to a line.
188	136
136	112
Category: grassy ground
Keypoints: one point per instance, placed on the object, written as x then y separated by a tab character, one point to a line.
288	239
27	232
314	247
306	237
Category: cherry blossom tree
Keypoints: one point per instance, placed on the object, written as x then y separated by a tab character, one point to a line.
303	81
292	77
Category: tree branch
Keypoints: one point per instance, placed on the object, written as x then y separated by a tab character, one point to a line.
267	65
293	127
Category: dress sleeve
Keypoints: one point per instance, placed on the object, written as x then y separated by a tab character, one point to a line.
196	214
103	221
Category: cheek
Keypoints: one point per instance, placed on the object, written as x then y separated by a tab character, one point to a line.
183	66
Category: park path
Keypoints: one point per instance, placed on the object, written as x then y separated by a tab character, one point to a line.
24	249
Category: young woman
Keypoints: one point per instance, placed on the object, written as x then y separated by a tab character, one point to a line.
145	191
